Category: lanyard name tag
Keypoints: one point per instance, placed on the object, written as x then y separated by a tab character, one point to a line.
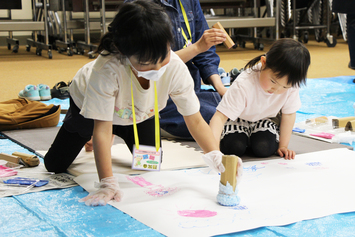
146	158
187	41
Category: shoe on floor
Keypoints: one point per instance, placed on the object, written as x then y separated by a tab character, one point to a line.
351	66
60	90
44	92
30	92
224	76
222	72
233	74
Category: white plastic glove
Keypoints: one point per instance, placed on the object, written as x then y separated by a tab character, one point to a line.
108	189
214	160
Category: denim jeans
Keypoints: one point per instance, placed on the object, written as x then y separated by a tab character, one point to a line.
201	67
173	122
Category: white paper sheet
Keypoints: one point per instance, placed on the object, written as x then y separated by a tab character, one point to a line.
175	156
273	192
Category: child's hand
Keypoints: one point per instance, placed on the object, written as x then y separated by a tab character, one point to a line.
210	38
286	153
239	170
214	160
108	190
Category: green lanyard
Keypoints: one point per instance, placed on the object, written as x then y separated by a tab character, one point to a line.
157	126
187	25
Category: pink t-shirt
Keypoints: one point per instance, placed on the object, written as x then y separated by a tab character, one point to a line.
246	99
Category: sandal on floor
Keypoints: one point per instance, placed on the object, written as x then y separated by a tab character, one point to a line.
60	90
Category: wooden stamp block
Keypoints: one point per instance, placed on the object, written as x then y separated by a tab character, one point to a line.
230	163
29	160
10	158
341	122
229	43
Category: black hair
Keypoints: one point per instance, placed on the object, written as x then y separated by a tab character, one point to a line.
286	57
141	28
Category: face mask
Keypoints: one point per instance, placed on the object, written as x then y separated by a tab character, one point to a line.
153	75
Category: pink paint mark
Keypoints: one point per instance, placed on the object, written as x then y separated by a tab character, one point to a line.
197	213
6	172
282	163
161	191
139	181
153	190
263	163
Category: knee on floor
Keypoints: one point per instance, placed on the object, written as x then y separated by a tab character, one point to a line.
233	147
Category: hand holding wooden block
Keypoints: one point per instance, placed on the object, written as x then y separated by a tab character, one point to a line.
229	43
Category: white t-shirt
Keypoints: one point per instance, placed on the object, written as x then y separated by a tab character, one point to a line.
102	90
246	99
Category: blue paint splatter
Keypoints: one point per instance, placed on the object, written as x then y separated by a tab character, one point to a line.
241	207
314	164
252	168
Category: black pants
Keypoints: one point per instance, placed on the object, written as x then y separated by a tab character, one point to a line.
261	144
261	137
69	141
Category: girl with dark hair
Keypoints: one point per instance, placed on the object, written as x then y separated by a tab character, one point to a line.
122	92
269	86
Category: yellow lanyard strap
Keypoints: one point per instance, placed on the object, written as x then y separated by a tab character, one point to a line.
157	125
156	111
186	23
